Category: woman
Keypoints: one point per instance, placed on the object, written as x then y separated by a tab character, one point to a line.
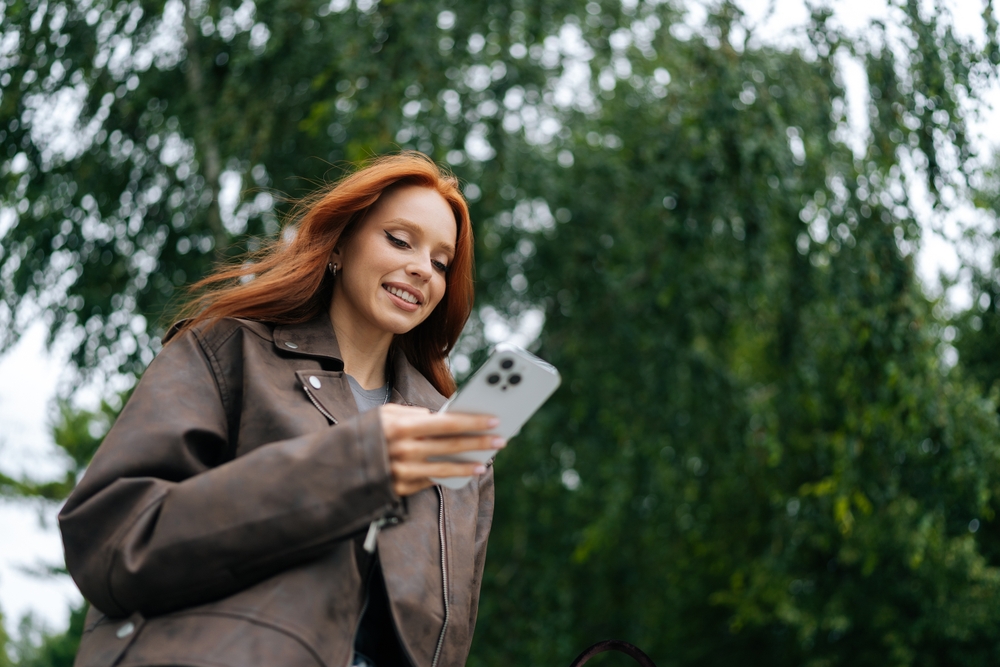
265	497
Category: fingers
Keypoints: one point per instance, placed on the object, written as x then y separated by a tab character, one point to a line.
412	476
414	435
413	449
409	488
404	422
415	470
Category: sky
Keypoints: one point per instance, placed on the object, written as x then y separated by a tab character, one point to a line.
27	530
29	375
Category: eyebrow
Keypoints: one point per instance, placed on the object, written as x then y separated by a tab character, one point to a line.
416	229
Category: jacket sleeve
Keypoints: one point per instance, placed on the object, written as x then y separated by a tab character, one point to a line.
483	524
162	520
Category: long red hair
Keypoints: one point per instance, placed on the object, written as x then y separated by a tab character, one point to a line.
287	282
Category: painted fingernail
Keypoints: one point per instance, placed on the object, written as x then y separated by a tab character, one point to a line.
498	443
479	470
493	421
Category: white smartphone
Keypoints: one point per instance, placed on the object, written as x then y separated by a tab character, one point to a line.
512	385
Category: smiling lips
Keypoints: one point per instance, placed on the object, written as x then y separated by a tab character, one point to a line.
404	298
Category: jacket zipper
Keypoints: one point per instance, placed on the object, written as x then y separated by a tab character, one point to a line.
357	626
326	413
371	541
444	577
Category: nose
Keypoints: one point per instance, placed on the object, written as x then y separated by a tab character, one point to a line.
421	267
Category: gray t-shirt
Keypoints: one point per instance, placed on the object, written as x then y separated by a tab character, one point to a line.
367	399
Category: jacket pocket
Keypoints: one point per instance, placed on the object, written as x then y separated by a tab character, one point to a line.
216	639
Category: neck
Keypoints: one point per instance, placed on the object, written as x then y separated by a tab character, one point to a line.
363	348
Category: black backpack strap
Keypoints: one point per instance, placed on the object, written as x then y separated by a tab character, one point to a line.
614	645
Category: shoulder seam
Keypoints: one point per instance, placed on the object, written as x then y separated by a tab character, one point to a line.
244	324
226	326
213	362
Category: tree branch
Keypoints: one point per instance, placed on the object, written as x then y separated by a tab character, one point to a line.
204	137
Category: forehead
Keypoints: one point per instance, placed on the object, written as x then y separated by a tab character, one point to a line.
424	209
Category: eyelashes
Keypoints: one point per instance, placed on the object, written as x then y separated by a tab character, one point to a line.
400	243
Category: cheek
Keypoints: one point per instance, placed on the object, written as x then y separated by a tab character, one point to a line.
380	259
359	284
439	289
374	265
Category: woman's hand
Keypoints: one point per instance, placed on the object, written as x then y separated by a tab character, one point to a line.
416	434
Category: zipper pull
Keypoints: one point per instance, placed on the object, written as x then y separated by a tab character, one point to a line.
373	529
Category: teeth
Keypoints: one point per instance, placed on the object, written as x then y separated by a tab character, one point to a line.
402	294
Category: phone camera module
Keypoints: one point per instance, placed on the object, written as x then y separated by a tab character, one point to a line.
493	378
507	364
514	379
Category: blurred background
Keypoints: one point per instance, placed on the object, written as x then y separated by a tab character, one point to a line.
758	238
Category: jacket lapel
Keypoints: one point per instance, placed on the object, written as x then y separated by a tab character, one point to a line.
329	392
410	387
316	339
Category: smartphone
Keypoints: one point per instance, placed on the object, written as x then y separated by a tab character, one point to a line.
512	385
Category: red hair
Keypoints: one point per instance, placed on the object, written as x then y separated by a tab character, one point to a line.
287	282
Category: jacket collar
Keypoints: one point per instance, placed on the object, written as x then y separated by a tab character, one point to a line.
314	338
410	386
317	339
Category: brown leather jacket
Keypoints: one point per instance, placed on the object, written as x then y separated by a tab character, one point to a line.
218	523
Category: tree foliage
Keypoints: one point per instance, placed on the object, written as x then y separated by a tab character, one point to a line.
76	434
181	98
978	328
4	641
37	647
758	454
773	459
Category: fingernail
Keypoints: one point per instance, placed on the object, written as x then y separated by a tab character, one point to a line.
498	443
479	470
493	421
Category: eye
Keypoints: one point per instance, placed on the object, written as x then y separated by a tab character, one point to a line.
399	243
440	266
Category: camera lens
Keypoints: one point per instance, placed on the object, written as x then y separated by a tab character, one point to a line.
506	363
493	378
514	379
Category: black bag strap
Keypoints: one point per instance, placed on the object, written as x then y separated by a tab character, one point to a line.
614	645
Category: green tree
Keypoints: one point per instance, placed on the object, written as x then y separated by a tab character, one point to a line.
36	647
178	99
772	463
978	329
4	642
76	433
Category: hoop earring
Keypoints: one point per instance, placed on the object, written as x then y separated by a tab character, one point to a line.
332	268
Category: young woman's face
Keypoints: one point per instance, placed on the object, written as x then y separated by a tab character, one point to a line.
391	270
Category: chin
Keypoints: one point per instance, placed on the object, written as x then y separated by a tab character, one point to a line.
399	326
